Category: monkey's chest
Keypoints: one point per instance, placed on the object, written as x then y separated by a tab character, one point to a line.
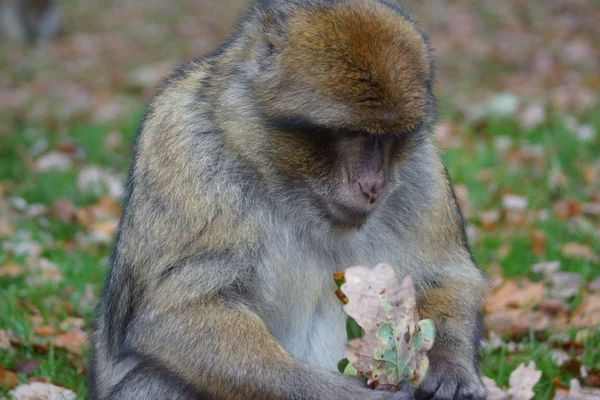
299	306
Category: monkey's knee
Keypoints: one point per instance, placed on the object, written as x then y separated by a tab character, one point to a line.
149	382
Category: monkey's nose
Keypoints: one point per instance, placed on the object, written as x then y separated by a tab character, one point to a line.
372	188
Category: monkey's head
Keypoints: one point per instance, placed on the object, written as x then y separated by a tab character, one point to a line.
345	88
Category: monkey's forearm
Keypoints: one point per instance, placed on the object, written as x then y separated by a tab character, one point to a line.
227	351
455	308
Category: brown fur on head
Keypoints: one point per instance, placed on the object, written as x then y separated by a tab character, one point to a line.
358	64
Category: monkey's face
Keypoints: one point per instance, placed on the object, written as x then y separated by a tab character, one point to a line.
346	176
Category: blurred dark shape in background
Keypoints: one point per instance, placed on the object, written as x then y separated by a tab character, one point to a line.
29	20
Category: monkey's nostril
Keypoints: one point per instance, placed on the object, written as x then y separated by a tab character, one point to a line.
371	189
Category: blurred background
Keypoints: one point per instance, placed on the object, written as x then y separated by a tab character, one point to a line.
518	83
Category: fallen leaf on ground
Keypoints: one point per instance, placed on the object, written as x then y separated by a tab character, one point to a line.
96	180
494	392
513	322
42	271
63	210
11	269
588	312
511	295
514	202
8	379
577	250
566	208
42	391
559	357
27	366
522	380
74	342
72	323
547	269
594	285
576	392
565	284
53	161
4	340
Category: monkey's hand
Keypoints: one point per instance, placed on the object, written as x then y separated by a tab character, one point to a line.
451	381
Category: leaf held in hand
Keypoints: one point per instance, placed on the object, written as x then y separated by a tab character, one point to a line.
394	346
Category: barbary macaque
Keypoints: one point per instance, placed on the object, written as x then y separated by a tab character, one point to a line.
301	147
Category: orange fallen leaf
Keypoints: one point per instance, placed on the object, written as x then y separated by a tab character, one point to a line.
11	269
74	342
566	208
511	295
45	330
8	379
588	312
538	242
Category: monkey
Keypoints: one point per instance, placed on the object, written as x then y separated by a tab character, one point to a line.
302	146
29	20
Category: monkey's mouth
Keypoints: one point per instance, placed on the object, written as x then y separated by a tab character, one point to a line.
345	216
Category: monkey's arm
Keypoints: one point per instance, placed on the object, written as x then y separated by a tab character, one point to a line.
450	286
224	349
455	306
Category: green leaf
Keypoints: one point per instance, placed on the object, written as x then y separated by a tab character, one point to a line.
353	330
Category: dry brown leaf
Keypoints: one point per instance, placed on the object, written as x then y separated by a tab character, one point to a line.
45	330
559	357
98	180
494	392
72	323
513	322
514	202
11	269
53	161
522	380
576	392
27	366
74	342
105	208
511	295
578	250
538	242
8	379
547	269
489	219
103	232
592	209
566	208
63	210
565	284
594	285
588	312
42	391
42	271
5	339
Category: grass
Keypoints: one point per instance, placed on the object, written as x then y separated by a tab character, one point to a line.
82	266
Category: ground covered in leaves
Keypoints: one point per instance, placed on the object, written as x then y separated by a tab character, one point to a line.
520	125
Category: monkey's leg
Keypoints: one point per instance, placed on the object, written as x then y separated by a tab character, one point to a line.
456	309
149	381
